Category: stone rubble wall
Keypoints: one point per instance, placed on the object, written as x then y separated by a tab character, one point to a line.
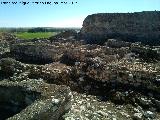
34	52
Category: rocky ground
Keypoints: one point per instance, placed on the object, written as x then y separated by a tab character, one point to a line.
115	81
88	107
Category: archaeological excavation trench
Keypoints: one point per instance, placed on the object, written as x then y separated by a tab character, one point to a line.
90	69
14	99
37	78
32	100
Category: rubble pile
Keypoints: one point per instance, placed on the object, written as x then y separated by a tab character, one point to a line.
90	107
117	44
5	39
118	80
145	52
40	52
55	73
5	36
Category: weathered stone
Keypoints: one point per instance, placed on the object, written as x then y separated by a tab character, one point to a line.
138	26
145	52
149	114
157	104
9	66
113	72
117	43
144	102
33	100
5	39
4	48
118	98
138	116
41	52
37	53
4	36
52	73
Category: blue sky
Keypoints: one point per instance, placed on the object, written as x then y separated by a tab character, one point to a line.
66	15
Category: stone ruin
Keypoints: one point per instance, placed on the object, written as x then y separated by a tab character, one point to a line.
33	100
133	27
62	78
116	71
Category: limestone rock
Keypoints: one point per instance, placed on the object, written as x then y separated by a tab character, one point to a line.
138	26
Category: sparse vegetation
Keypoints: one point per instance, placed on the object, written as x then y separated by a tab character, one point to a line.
37	32
27	35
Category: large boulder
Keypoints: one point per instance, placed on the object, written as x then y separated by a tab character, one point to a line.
138	26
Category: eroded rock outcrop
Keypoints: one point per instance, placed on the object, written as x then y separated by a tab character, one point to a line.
138	26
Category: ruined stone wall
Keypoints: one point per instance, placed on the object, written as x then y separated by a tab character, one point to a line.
138	26
39	53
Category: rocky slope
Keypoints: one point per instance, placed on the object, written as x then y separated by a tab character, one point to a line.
138	26
117	81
